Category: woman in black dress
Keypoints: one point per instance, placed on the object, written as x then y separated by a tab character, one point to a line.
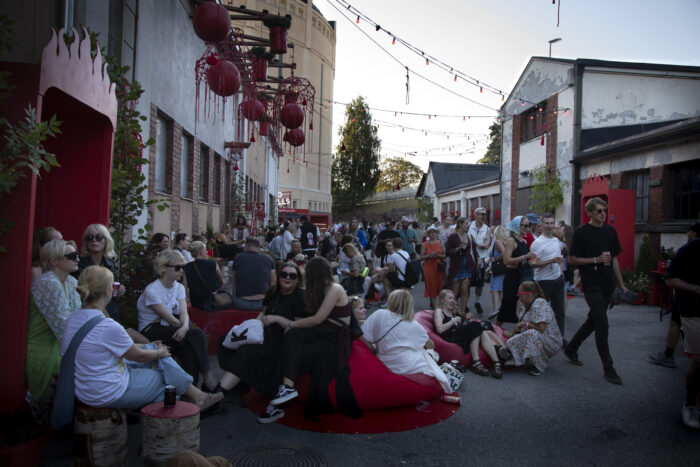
515	257
259	366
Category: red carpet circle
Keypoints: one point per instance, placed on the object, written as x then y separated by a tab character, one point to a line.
423	413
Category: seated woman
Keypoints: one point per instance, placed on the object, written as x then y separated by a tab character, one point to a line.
225	247
203	276
258	365
400	342
295	250
320	342
112	371
162	310
536	337
469	334
53	298
42	236
240	231
352	279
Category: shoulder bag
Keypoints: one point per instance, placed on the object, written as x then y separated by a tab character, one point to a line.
219	296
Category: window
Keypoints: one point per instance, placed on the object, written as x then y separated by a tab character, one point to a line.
185	166
161	154
522	201
532	121
686	192
216	161
639	182
204	174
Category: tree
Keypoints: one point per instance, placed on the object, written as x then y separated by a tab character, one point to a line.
493	153
355	166
547	191
397	173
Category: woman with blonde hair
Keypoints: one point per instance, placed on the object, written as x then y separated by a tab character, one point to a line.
42	236
112	371
53	298
401	343
162	310
536	337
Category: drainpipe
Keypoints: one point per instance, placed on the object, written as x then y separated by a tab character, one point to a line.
576	188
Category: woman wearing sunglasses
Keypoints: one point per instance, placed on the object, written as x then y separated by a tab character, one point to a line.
259	365
515	257
163	317
536	337
53	298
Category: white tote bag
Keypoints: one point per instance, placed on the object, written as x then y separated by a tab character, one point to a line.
249	331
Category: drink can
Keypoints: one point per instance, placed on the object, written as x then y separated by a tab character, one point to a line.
451	398
170	396
115	289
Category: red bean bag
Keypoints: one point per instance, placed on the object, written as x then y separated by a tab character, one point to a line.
217	323
449	351
375	386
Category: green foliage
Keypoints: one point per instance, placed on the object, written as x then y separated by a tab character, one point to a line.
261	52
645	259
272	21
397	172
493	153
22	141
239	197
425	210
637	282
355	166
548	190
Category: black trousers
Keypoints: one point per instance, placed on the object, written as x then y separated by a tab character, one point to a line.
306	349
554	294
597	321
191	352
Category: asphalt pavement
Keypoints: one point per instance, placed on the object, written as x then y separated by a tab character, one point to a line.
568	416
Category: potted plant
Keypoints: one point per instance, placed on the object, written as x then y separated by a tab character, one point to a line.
278	32
261	59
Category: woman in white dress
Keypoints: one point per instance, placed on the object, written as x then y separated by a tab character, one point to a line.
536	337
401	343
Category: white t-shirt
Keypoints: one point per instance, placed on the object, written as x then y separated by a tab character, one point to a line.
401	349
101	376
157	293
400	260
478	236
546	249
237	235
288	237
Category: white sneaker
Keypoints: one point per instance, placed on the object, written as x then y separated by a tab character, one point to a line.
690	417
271	414
284	394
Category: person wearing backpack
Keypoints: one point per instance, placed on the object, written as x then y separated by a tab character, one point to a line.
395	266
464	262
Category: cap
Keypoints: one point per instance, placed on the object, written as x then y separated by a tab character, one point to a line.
695	228
533	218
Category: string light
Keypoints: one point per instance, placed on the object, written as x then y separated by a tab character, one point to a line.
455	78
393	41
358	19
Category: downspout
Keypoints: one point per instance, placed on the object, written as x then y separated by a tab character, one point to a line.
576	189
320	123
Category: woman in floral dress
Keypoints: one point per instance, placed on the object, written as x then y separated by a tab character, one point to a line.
536	337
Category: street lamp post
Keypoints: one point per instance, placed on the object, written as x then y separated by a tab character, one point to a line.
550	45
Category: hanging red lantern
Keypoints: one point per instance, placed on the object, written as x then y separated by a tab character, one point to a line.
252	109
264	128
294	136
223	78
235	167
260	68
292	115
278	32
211	22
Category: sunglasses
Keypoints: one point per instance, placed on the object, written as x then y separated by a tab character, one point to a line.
601	211
71	256
95	238
176	267
524	225
288	275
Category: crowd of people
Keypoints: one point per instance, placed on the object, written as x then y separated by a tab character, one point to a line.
311	288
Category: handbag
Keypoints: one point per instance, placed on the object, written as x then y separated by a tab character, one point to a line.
249	331
441	265
219	296
454	377
64	402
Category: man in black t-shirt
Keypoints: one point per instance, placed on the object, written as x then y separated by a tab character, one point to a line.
309	237
594	250
387	234
684	276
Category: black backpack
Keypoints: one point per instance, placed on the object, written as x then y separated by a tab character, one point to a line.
413	270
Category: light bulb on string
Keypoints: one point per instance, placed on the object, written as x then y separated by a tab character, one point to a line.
455	78
393	41
427	62
358	19
481	89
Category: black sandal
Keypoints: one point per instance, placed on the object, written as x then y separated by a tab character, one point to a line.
497	370
479	368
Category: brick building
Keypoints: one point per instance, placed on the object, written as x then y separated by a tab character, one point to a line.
635	124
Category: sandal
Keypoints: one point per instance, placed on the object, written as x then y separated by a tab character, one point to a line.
497	370
504	353
479	368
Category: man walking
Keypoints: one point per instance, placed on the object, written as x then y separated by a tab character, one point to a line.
547	268
309	237
479	233
684	276
594	250
408	237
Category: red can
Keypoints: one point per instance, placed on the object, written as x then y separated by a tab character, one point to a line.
452	398
115	289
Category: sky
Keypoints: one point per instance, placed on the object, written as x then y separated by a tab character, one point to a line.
490	41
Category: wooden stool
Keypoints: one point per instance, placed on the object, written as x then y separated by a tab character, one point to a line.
167	431
100	436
